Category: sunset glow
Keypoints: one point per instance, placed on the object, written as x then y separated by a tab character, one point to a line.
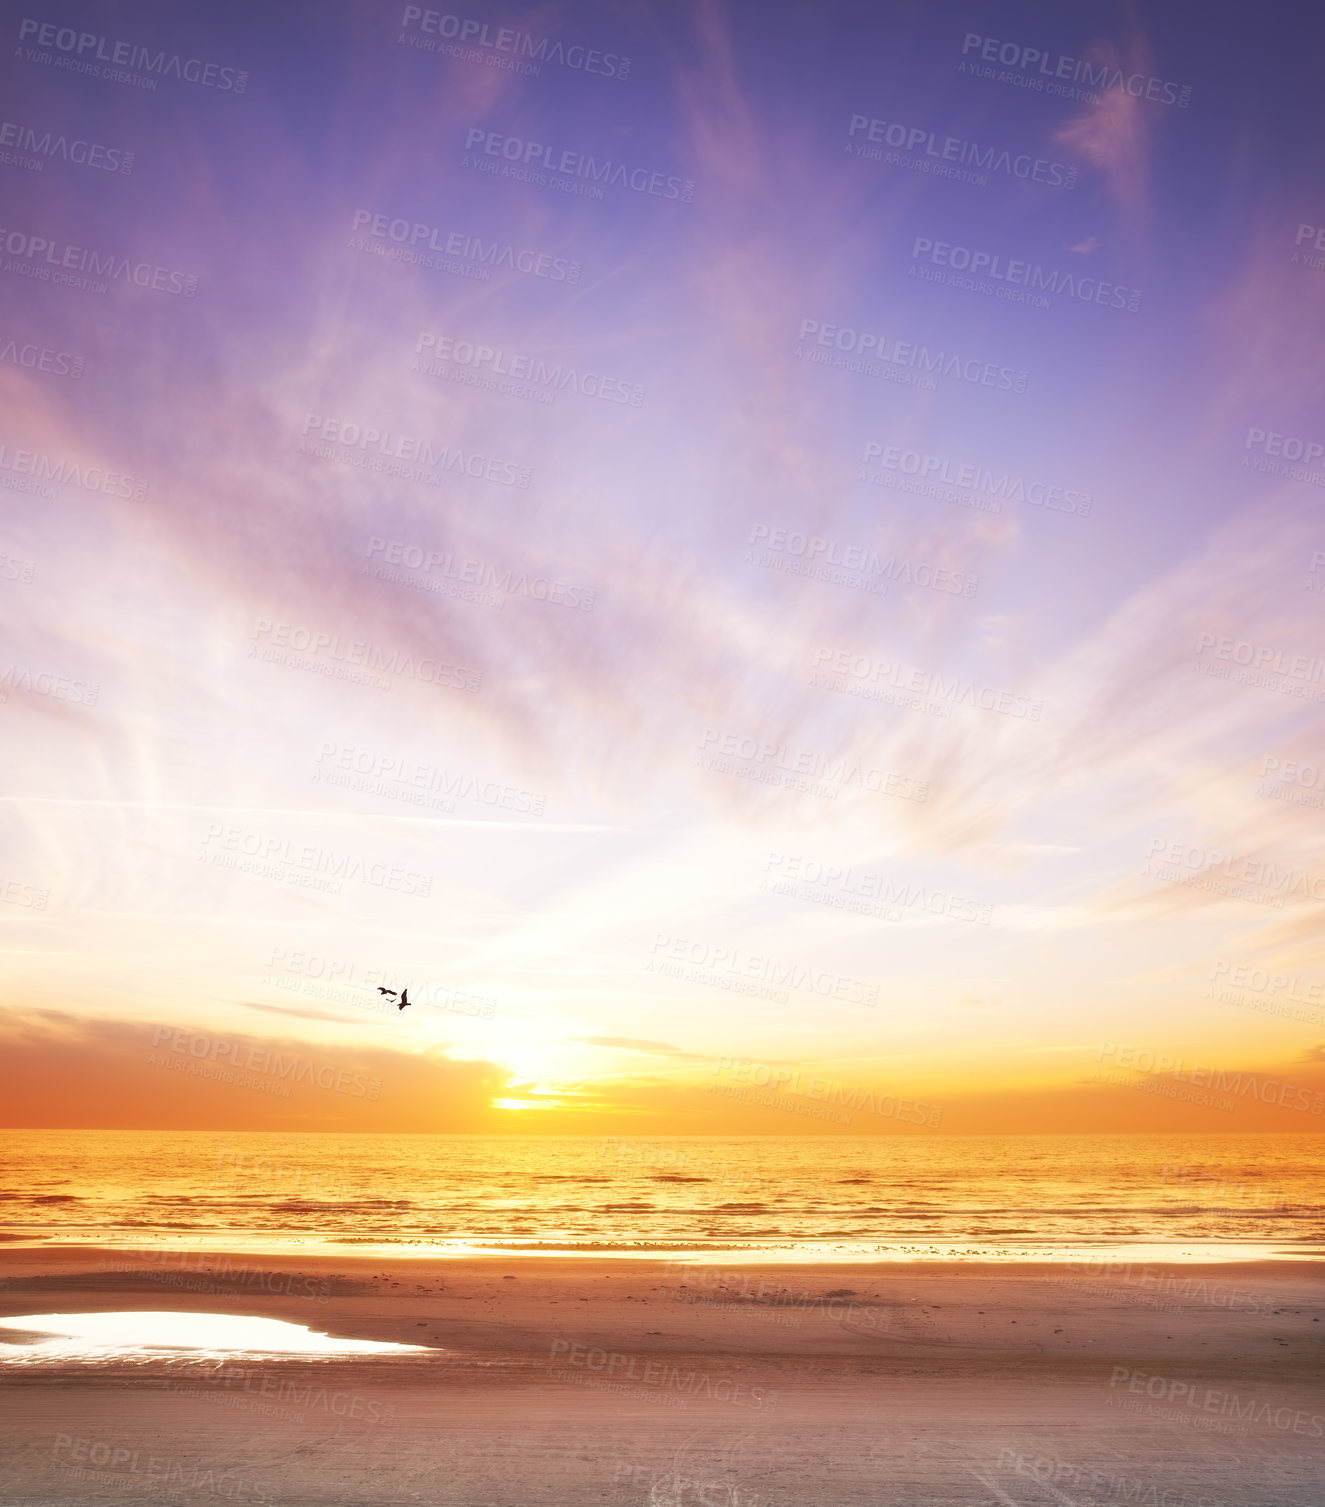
710	584
662	695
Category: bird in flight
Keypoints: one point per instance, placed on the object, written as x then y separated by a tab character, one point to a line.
404	999
391	992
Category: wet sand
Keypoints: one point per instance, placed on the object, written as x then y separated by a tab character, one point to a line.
644	1382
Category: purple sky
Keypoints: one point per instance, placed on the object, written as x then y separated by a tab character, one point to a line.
608	510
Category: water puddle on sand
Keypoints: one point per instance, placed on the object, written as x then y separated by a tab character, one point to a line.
33	1337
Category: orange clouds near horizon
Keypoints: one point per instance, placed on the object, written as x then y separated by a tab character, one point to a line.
59	1072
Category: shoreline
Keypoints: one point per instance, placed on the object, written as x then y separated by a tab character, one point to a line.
161	1245
312	1289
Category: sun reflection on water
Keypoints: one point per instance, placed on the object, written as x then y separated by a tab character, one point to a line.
33	1337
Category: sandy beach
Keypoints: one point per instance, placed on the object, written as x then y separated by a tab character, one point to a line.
671	1383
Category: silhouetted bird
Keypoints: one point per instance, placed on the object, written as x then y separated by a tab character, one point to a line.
391	992
403	1000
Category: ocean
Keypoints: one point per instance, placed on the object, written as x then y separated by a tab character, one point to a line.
803	1198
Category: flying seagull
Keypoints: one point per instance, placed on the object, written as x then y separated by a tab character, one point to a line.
391	992
403	1000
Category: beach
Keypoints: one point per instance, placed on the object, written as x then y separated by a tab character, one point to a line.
679	1382
663	694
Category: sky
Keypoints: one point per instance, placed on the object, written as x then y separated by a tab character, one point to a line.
755	558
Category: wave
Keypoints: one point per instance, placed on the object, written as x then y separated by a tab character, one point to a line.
853	1190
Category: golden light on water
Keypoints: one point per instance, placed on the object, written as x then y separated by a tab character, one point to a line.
174	1202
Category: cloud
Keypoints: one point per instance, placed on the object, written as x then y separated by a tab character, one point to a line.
339	1020
60	1071
1113	132
651	1048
